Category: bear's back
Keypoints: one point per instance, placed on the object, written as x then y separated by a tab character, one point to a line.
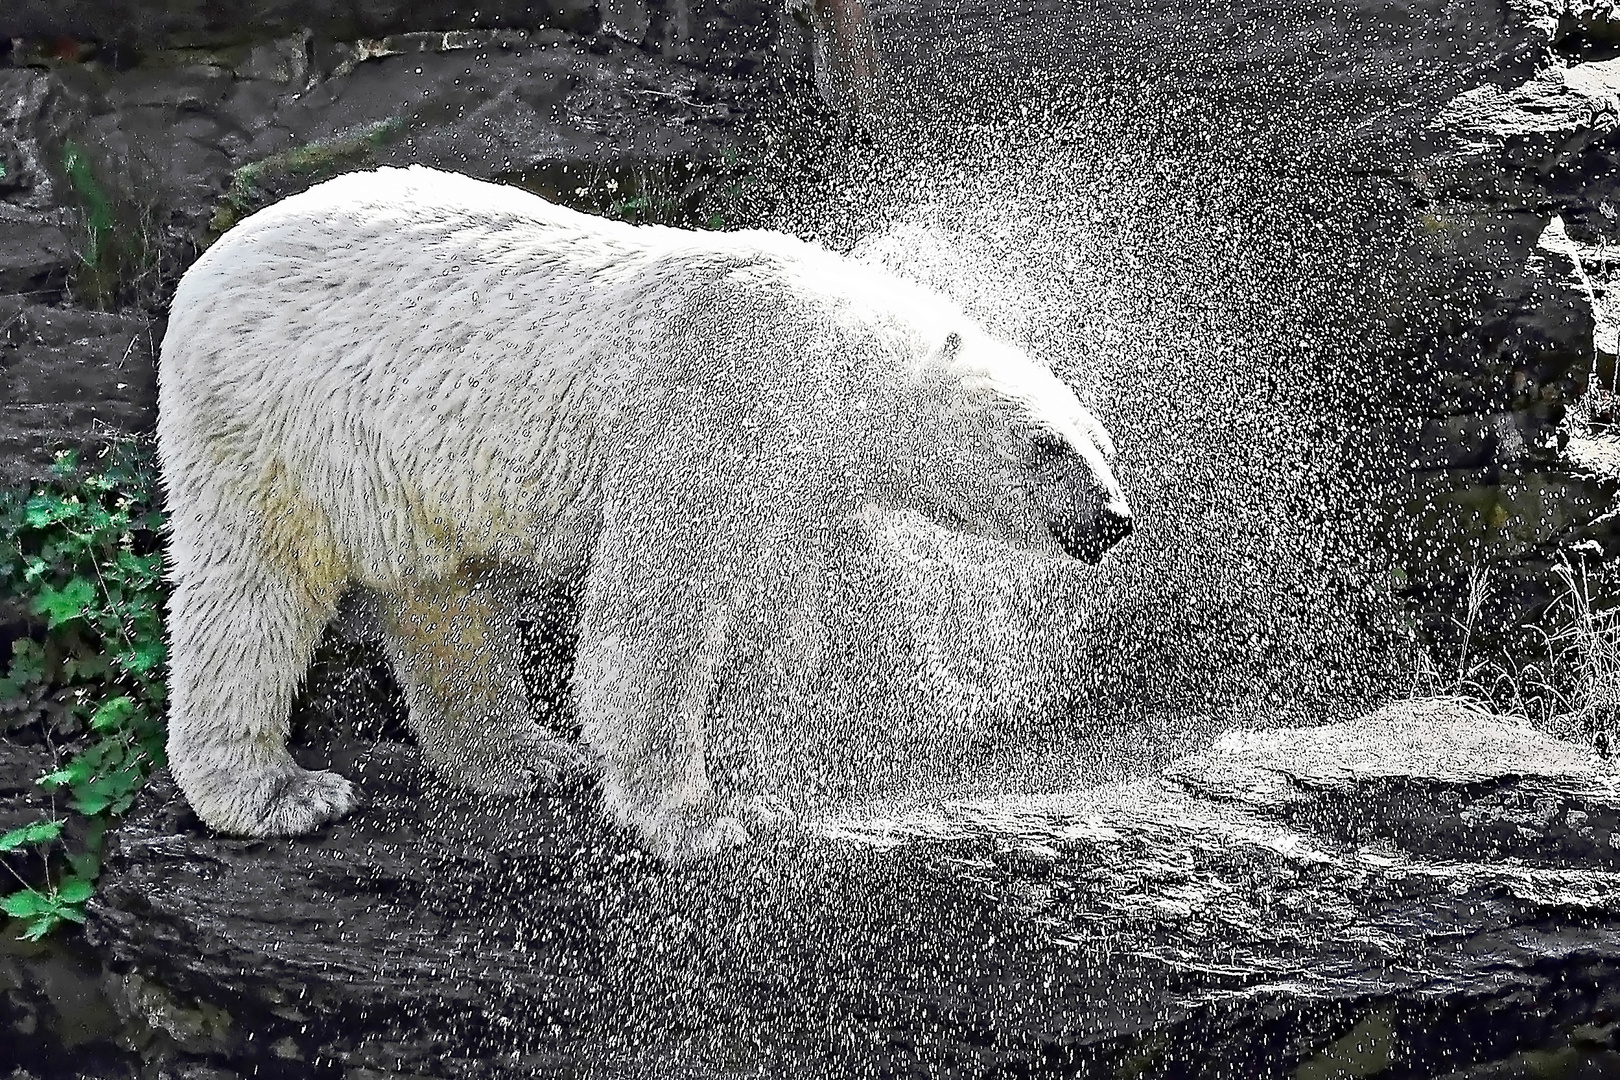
466	346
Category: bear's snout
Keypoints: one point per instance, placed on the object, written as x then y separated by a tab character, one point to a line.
1089	539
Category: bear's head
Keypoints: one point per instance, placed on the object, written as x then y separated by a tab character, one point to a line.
1025	460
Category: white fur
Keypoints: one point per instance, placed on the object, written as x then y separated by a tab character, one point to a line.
414	381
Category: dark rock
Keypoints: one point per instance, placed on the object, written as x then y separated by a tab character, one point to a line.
705	32
1574	29
35	255
70	378
22	801
1510	146
1512	187
39	236
1395	888
53	1016
29	107
535	104
627	19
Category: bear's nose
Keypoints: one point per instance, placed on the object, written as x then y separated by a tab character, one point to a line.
1089	539
1114	523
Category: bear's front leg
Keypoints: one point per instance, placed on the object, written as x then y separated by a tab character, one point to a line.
645	679
241	632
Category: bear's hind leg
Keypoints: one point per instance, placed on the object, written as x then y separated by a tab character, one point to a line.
457	655
241	632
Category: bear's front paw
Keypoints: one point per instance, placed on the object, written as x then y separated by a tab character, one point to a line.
303	801
682	839
553	767
762	811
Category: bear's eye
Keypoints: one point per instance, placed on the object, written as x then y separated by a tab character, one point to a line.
1046	447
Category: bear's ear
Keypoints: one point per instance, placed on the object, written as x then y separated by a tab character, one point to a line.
949	347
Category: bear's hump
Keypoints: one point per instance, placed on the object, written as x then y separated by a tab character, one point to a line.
418	194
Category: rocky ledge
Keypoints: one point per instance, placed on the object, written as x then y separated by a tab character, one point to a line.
1425	891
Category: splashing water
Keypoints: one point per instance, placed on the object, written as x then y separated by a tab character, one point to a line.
1191	263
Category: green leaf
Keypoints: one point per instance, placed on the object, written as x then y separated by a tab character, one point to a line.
66	463
111	713
142	658
25	903
74	890
125	781
40	925
138	570
96	757
46	509
27	668
85	864
64	604
37	833
92	802
113	792
87	668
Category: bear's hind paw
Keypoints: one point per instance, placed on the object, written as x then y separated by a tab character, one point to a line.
304	801
538	766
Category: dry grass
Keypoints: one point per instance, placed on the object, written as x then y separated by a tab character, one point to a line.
1572	690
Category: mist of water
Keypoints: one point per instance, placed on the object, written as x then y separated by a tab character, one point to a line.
1192	270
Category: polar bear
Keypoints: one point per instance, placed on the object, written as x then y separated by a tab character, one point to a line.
416	383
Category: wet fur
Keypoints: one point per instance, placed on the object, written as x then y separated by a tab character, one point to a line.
409	380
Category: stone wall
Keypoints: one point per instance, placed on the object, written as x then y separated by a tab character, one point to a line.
1513	202
131	134
176	120
731	35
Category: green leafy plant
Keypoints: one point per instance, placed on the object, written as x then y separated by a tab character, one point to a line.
120	260
259	183
42	910
98	211
79	555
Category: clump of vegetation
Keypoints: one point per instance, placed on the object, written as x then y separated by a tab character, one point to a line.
122	254
649	208
1586	650
80	556
261	182
1571	689
640	192
677	192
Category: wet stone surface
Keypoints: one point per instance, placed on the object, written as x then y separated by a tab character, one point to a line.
1415	893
